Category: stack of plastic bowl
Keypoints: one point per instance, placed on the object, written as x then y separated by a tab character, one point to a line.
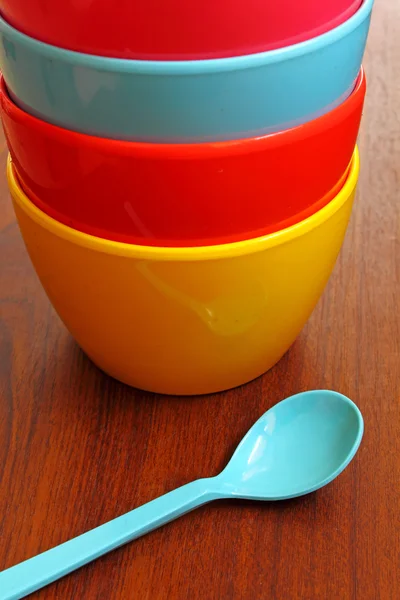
183	173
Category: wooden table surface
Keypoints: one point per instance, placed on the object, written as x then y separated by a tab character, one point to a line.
77	448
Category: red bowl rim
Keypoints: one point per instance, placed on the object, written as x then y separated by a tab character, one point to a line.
206	150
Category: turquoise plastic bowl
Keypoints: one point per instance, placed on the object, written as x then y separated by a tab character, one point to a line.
184	101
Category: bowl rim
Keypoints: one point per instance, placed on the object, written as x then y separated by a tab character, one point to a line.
188	151
181	254
190	67
305	34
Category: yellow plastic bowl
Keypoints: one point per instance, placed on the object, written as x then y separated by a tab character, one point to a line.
185	320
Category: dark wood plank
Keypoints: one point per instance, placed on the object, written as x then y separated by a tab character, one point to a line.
78	448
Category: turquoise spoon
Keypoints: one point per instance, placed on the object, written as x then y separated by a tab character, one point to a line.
296	447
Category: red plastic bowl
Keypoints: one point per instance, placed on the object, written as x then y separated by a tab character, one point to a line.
175	29
183	194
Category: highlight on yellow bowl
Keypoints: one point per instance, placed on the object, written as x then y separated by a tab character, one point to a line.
185	321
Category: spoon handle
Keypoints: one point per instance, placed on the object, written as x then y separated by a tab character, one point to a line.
37	572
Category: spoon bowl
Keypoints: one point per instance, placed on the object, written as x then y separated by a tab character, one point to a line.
296	447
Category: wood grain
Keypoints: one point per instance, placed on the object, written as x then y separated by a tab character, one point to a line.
77	448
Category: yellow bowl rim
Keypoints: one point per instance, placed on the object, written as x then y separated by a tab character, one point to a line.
157	253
